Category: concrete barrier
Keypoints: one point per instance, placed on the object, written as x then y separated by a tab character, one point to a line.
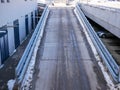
107	17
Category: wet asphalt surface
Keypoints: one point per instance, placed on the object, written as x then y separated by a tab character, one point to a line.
64	59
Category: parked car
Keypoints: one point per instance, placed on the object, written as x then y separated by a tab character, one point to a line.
101	34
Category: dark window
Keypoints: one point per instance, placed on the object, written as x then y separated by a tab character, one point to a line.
32	21
36	17
26	24
8	0
2	1
16	33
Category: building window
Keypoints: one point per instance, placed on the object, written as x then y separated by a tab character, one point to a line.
8	0
2	1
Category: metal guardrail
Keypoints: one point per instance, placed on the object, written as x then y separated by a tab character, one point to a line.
24	61
105	55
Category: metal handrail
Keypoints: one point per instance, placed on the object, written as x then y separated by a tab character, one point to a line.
106	56
24	61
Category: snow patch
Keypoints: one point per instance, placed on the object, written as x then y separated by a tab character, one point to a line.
26	84
11	84
1	66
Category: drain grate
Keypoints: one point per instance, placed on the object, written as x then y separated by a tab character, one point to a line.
114	43
117	51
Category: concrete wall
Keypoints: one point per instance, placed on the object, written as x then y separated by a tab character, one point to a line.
13	10
109	18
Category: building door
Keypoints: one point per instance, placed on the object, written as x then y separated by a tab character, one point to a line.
26	25
16	33
36	17
32	21
4	49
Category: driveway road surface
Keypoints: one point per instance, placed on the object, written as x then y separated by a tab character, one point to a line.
64	59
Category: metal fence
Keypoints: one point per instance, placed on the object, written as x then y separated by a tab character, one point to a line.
24	61
104	53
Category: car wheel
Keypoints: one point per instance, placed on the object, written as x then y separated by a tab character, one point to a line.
103	36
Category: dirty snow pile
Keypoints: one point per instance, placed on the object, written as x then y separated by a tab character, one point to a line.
11	84
27	81
26	84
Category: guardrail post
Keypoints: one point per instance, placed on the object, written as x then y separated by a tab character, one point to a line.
119	75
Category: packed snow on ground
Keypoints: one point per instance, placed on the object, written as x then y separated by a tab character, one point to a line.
11	84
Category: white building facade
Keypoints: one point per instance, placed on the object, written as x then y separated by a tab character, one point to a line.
17	19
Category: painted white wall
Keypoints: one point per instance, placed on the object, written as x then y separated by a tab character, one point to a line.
41	1
15	9
11	38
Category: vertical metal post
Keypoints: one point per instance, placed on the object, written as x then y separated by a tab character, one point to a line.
119	75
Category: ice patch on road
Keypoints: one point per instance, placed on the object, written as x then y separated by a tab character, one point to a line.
10	84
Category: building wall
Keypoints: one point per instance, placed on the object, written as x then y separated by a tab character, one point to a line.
22	28
16	10
11	39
